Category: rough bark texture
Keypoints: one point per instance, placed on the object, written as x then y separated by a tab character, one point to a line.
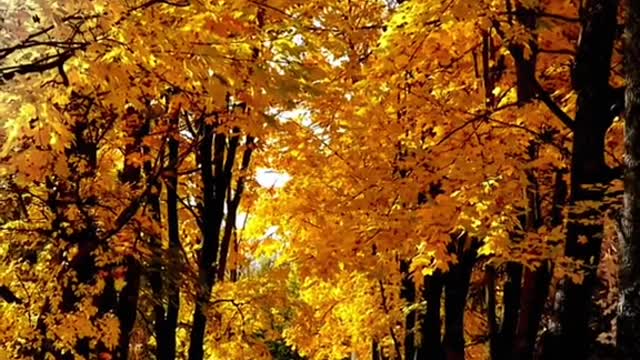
628	339
588	168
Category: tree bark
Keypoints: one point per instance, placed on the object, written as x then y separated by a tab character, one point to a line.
628	331
511	301
408	294
456	289
492	318
233	203
534	295
431	327
215	182
173	228
212	218
165	272
588	168
516	298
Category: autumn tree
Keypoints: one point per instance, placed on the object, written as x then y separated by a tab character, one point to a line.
447	168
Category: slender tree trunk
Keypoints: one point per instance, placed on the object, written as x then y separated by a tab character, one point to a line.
534	295
534	281
157	288
536	286
128	298
233	203
376	352
492	318
503	337
165	270
209	251
173	228
431	327
511	300
408	294
214	182
127	319
518	343
628	334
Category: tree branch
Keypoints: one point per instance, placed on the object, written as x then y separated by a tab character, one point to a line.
544	96
9	296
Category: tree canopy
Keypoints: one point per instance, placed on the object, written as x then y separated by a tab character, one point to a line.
284	179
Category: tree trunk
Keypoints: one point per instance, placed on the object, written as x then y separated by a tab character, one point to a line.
128	304
214	183
515	300
511	301
431	327
628	333
492	318
534	295
165	272
588	168
408	294
232	203
456	289
536	286
210	234
173	228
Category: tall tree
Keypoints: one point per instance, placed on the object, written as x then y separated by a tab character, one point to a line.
628	321
589	172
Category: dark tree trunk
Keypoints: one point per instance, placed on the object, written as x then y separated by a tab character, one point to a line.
230	222
515	299
535	283
173	227
588	168
212	219
157	288
536	286
233	202
628	335
128	297
376	352
165	271
83	264
431	327
154	211
456	288
511	300
492	318
408	294
215	175
535	289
